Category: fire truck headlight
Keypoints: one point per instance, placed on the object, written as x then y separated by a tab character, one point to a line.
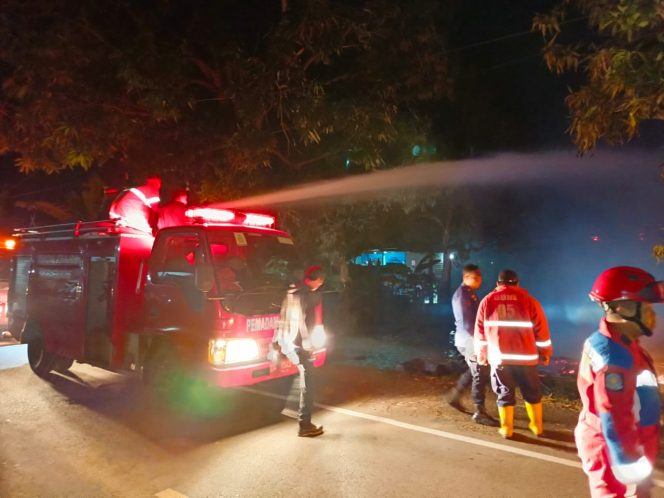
318	337
217	351
228	351
241	350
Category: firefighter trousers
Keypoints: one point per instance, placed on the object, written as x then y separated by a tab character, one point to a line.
506	378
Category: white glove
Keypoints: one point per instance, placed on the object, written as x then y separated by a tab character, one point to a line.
633	473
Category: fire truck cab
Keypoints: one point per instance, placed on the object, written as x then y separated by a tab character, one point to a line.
203	297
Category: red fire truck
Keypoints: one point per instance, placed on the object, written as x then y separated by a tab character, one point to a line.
203	298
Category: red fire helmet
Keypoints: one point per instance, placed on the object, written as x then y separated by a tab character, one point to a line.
627	283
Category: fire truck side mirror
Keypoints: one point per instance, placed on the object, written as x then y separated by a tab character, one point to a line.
204	277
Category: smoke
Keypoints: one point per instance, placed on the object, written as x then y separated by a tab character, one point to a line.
518	170
585	214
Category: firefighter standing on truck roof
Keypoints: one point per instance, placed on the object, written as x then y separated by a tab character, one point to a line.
618	431
138	207
512	335
173	213
295	338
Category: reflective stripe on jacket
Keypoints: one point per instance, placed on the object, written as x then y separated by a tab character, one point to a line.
621	406
511	328
135	208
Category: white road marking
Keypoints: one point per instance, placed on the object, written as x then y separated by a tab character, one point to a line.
170	493
439	433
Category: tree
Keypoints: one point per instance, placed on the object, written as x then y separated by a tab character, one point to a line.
458	221
76	205
240	95
621	55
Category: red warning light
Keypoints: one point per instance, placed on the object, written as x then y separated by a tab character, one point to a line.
211	215
216	215
258	220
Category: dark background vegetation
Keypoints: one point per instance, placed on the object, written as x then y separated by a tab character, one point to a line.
234	98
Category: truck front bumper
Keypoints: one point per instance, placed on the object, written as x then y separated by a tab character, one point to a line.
247	375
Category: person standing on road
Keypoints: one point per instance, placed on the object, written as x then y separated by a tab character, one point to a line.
512	335
298	334
138	207
618	431
464	306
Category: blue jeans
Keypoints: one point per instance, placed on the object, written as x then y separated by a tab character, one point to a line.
306	388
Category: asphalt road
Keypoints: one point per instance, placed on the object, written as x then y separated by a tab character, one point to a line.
97	434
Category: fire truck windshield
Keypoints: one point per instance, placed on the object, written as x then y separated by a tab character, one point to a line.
252	262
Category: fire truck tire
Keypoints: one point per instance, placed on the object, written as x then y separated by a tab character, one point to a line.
62	363
41	362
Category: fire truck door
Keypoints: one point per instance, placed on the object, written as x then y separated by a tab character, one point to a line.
56	302
172	302
98	343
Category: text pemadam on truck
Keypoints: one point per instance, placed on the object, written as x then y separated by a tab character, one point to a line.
203	298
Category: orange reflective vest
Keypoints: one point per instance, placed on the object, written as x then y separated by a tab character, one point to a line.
511	328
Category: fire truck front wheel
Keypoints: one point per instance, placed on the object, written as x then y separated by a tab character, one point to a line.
41	362
62	363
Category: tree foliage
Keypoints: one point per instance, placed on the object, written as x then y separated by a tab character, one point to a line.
462	220
217	90
621	54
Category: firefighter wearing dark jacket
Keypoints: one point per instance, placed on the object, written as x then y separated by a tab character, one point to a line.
618	431
464	306
138	207
512	335
298	334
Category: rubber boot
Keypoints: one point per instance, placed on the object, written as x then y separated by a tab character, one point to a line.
534	411
482	417
454	399
506	414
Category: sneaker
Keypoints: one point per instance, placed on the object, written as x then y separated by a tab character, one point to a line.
310	430
484	418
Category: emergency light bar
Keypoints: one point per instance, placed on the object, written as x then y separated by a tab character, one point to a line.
258	220
214	215
211	215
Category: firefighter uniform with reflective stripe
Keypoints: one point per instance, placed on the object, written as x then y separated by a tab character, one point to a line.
511	328
618	431
136	208
512	334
